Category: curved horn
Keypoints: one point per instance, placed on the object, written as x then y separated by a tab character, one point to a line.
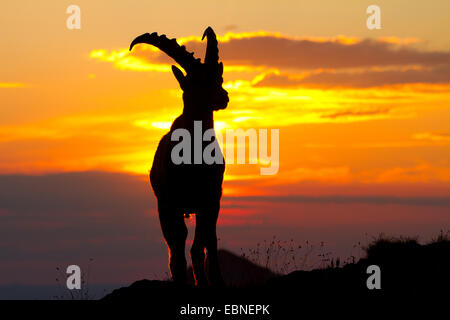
212	52
179	53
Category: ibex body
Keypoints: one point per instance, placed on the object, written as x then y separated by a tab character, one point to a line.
182	189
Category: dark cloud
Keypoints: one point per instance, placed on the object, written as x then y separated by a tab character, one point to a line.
379	200
290	53
306	54
75	192
364	79
48	220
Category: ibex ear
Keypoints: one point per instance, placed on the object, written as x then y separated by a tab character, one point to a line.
179	75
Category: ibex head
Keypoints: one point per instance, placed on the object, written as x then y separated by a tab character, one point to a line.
202	84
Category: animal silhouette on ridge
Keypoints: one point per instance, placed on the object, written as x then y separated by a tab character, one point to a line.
190	188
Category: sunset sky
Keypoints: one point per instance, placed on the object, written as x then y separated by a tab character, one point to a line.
363	118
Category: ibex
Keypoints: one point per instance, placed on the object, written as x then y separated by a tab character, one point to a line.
183	189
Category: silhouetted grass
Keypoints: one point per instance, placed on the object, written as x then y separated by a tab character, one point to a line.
408	269
285	256
384	246
76	294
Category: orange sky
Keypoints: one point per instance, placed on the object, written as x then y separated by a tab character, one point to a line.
352	105
360	112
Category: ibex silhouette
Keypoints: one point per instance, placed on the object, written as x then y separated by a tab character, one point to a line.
190	188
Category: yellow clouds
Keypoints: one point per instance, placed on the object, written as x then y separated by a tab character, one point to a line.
7	85
433	136
123	60
164	125
279	80
283	106
417	174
